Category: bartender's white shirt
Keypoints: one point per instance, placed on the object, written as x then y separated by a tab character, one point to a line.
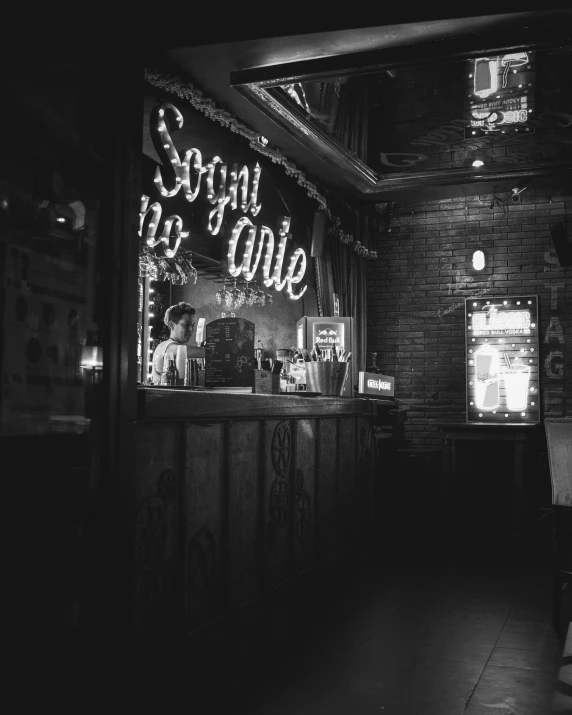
164	350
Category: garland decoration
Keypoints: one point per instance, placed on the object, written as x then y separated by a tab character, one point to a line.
196	98
178	269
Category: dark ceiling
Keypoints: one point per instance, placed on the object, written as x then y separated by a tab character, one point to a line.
209	65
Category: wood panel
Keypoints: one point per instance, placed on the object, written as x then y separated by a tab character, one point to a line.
347	488
229	511
278	501
205	529
366	475
157	491
328	488
304	495
244	536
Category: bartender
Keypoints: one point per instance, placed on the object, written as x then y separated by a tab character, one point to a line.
180	319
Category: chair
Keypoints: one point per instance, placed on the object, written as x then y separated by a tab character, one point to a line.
559	442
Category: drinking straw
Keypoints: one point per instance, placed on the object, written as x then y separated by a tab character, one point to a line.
507	360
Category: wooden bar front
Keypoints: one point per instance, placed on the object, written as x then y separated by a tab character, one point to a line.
238	494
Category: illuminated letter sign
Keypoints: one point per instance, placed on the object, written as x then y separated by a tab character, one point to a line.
328	335
222	188
502	359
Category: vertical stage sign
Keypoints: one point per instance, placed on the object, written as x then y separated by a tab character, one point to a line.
501	339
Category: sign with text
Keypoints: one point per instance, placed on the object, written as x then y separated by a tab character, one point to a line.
226	195
328	334
229	353
502	359
371	383
500	94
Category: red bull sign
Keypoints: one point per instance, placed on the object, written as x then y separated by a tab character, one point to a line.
328	335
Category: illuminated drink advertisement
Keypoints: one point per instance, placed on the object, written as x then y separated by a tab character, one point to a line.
500	94
502	359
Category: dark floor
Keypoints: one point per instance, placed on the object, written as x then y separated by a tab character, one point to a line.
419	637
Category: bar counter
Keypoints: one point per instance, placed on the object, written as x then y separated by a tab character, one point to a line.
237	494
166	403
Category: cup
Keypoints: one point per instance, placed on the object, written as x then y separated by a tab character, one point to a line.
516	386
487	395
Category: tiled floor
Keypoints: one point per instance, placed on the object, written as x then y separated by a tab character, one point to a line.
424	637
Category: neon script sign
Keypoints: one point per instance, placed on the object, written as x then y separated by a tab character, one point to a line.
224	188
502	359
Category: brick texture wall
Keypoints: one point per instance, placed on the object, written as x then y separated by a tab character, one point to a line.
416	294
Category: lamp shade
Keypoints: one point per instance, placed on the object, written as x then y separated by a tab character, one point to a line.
478	260
477	158
91	356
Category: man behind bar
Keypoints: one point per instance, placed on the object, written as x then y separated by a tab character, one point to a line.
180	319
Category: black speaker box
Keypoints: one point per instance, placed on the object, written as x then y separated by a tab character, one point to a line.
318	234
562	245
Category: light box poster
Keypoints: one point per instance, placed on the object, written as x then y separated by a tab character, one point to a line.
502	359
500	94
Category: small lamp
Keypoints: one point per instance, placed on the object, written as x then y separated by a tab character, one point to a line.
478	260
92	359
477	159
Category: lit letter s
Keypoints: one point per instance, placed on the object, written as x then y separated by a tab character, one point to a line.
165	148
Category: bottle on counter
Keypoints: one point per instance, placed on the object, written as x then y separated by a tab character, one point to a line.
171	374
188	379
283	380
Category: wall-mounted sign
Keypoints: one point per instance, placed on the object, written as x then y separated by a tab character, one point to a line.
370	383
248	248
229	354
500	94
502	359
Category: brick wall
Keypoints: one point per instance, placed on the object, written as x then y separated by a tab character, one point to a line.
416	296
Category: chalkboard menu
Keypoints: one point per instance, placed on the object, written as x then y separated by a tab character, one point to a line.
229	353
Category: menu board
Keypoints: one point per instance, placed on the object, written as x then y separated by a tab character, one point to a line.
502	359
229	355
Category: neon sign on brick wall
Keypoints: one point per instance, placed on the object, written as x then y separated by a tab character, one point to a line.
502	359
248	248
